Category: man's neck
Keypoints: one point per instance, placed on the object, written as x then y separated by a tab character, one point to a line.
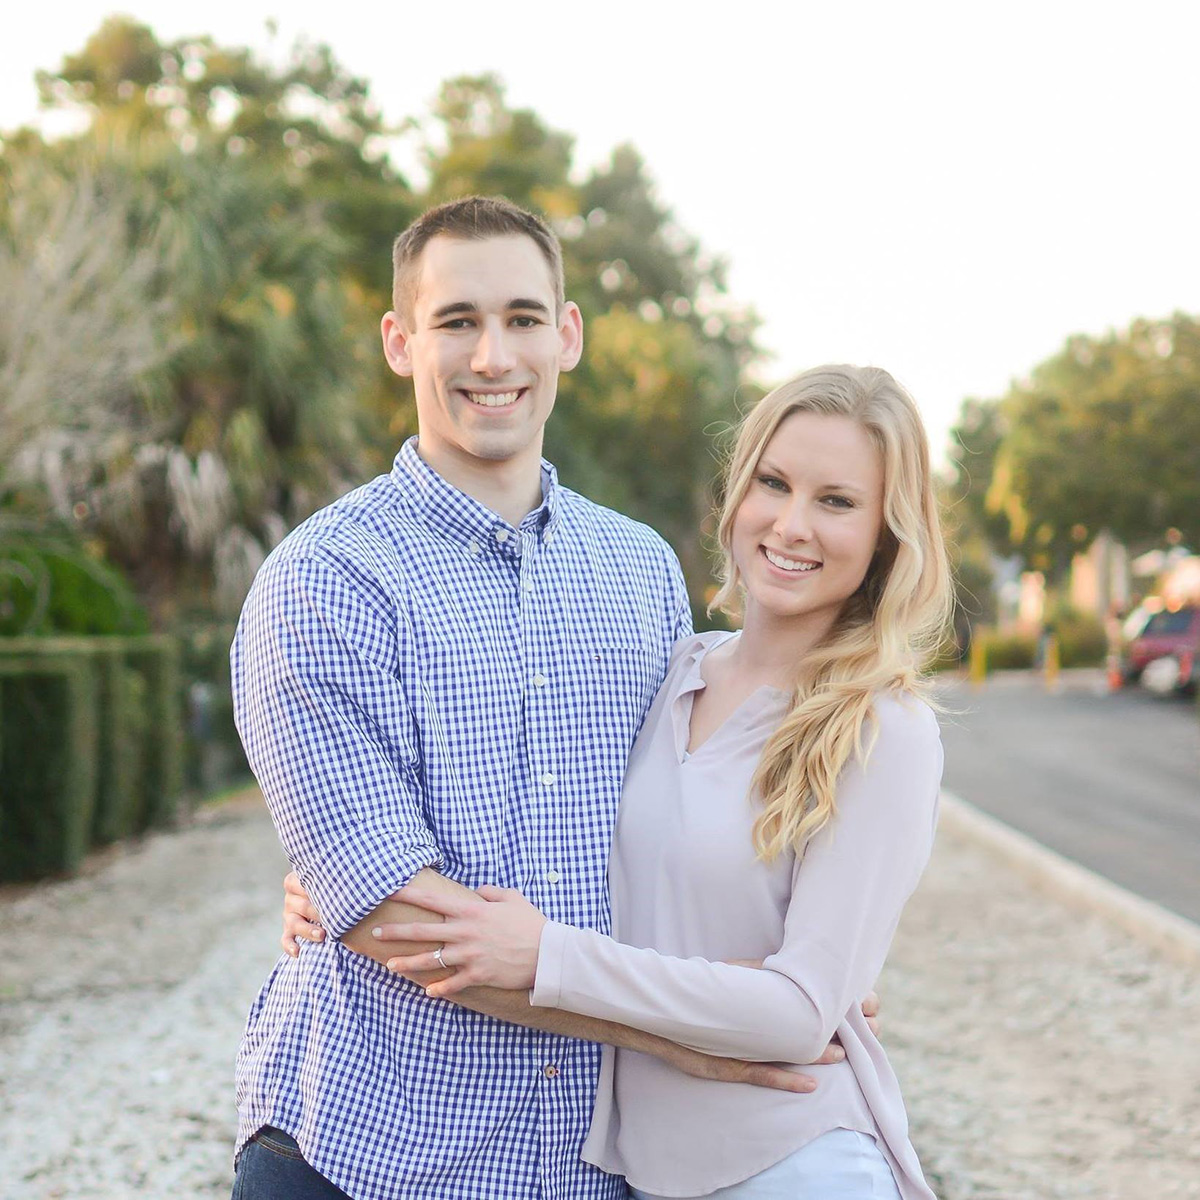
511	488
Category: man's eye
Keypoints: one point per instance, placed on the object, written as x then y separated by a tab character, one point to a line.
525	322
457	323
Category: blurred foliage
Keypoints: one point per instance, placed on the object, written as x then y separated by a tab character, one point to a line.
1008	651
50	583
1103	435
218	239
1082	641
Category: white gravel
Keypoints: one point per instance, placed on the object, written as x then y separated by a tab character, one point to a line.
1043	1053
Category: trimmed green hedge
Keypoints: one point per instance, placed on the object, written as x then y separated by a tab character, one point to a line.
48	763
156	659
1008	651
113	771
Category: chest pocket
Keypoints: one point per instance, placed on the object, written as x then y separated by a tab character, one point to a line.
619	683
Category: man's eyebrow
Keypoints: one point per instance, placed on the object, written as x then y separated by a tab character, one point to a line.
465	307
450	310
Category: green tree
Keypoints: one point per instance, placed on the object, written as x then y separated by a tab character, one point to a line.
1103	435
308	120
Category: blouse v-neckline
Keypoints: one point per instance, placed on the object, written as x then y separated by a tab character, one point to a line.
685	699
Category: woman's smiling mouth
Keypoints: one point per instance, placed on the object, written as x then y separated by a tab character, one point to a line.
794	566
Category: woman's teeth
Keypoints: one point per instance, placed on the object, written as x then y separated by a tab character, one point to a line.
493	399
788	564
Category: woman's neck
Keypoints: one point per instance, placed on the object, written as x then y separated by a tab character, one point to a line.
771	650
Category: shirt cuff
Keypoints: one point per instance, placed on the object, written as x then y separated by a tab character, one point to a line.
361	871
552	949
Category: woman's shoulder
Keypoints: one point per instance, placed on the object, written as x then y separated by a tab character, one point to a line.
902	734
695	645
904	714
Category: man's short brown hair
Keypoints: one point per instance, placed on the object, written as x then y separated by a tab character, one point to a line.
472	218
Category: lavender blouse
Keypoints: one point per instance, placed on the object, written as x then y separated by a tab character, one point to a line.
688	891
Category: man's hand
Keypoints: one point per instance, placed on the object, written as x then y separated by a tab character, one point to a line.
870	1008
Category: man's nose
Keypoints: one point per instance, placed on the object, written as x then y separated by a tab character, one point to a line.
493	353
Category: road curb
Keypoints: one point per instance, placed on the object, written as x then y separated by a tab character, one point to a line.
1050	872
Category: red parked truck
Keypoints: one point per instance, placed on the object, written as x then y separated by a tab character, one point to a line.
1165	656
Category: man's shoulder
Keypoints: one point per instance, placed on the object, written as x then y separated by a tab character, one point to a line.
351	544
612	531
352	525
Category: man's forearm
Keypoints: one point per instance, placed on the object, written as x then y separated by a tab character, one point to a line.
514	1006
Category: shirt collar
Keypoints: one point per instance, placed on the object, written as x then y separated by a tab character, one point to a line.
461	518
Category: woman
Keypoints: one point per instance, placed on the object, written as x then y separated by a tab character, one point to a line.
779	804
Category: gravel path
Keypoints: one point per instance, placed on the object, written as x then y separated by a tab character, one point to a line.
1043	1054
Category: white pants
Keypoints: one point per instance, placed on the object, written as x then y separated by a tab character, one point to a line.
839	1165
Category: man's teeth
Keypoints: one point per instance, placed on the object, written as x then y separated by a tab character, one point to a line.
788	564
493	399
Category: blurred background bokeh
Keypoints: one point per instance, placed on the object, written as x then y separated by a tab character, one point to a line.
194	254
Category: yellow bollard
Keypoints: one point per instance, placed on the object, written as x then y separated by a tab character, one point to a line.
1052	665
977	667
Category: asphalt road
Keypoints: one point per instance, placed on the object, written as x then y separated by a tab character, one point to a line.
1109	780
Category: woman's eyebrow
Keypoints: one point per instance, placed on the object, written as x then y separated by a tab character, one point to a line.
769	468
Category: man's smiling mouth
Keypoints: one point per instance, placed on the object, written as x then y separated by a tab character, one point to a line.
493	399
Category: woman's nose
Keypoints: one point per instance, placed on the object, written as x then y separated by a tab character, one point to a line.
793	523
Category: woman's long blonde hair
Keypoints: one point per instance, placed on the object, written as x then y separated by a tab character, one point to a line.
884	630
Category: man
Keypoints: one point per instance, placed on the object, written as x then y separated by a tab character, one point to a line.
441	674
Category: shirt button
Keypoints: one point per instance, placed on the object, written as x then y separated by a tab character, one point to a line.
552	876
550	1071
474	548
527	584
502	535
540	680
547	536
548	779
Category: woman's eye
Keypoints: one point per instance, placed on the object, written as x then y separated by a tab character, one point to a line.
773	482
839	501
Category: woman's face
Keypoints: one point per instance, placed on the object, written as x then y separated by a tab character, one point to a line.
809	524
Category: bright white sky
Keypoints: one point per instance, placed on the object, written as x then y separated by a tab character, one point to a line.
944	189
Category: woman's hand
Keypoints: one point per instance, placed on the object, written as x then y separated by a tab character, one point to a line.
300	919
489	939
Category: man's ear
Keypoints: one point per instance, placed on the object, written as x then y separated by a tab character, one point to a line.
395	344
570	332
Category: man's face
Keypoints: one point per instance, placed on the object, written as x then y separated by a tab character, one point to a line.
484	347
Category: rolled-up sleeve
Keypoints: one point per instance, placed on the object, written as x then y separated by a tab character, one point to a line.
329	734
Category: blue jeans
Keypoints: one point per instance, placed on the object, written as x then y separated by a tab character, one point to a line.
271	1167
840	1165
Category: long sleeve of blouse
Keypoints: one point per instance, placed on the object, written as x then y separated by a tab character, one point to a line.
848	890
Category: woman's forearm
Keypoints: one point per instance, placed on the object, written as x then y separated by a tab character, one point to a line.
515	1008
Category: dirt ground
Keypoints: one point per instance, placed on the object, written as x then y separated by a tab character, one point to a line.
1042	1053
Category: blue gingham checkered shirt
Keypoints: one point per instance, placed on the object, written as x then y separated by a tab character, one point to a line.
418	683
